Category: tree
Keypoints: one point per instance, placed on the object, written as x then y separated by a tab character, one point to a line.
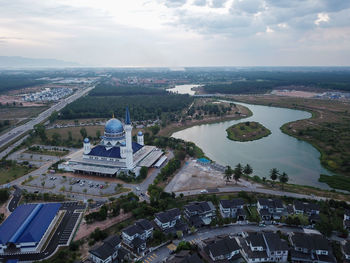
283	179
228	173
39	130
237	172
83	132
53	116
143	172
98	134
248	170
274	174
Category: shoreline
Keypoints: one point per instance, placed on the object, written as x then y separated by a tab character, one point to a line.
209	120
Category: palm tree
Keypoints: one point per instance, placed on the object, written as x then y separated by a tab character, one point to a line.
248	170
274	174
228	173
237	172
283	179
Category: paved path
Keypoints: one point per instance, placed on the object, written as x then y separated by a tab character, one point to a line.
254	190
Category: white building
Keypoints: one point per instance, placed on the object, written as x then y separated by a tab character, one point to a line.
115	153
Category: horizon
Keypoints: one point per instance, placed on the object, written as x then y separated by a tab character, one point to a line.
179	33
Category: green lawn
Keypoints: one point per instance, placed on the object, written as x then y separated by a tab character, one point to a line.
341	182
247	131
10	173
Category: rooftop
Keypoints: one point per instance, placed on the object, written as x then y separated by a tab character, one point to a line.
28	223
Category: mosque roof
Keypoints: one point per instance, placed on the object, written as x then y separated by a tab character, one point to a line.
86	140
113	152
114	126
139	133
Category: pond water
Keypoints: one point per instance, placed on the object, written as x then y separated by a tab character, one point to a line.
299	159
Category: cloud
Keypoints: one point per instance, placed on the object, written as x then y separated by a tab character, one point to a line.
321	18
177	32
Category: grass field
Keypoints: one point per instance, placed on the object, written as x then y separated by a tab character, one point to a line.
247	131
63	132
327	129
10	173
336	181
8	113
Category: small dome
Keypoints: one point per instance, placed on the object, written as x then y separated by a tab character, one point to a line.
86	140
122	143
114	126
139	133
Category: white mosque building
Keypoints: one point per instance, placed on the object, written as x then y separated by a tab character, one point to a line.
115	153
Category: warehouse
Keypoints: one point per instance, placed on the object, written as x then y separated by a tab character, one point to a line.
26	229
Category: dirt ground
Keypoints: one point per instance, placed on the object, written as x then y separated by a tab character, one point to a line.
85	229
3	208
294	93
196	176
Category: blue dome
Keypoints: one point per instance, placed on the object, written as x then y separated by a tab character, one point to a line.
86	140
114	126
123	144
139	133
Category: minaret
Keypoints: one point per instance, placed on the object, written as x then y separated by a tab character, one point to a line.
87	146
128	140
140	138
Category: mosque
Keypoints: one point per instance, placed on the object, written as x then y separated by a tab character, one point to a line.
115	153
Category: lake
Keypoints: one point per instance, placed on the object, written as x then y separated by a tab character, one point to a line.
299	159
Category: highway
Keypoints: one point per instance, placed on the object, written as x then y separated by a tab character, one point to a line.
22	129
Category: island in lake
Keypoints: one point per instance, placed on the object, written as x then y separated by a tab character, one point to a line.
247	131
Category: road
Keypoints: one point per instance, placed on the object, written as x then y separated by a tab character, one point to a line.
252	190
15	199
22	129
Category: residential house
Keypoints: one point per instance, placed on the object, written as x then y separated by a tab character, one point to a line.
270	208
106	252
185	256
170	221
200	213
310	248
264	247
306	208
135	236
233	208
221	249
346	251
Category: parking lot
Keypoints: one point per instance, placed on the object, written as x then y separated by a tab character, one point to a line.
63	184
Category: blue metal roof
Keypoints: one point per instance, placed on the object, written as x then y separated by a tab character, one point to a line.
28	223
114	126
113	152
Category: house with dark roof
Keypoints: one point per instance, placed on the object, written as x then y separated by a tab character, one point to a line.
136	235
106	252
347	219
264	247
200	213
233	209
222	249
270	208
346	251
310	248
170	221
306	208
185	256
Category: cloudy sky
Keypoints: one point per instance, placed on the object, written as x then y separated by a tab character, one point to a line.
178	32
